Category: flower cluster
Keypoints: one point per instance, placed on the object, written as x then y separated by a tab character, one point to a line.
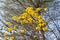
30	16
5	38
10	28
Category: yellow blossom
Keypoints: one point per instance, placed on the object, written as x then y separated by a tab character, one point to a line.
30	20
44	29
19	17
18	21
28	17
46	9
4	34
38	9
39	17
34	36
39	25
11	38
32	13
10	29
25	21
36	15
30	10
15	27
23	31
23	17
38	28
43	24
14	18
9	23
39	21
24	14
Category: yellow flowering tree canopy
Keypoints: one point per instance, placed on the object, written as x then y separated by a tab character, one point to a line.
28	19
31	16
23	19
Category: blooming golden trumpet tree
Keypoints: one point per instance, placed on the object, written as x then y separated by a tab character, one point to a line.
24	19
29	21
31	16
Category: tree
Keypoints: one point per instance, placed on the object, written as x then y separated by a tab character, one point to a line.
39	5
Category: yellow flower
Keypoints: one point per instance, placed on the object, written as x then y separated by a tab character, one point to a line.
25	21
43	24
4	34
11	38
44	29
10	29
28	17
14	18
18	21
35	15
23	17
32	13
38	28
9	23
38	9
23	31
30	20
39	21
30	10
19	17
39	17
44	21
24	14
35	36
15	27
46	9
39	25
